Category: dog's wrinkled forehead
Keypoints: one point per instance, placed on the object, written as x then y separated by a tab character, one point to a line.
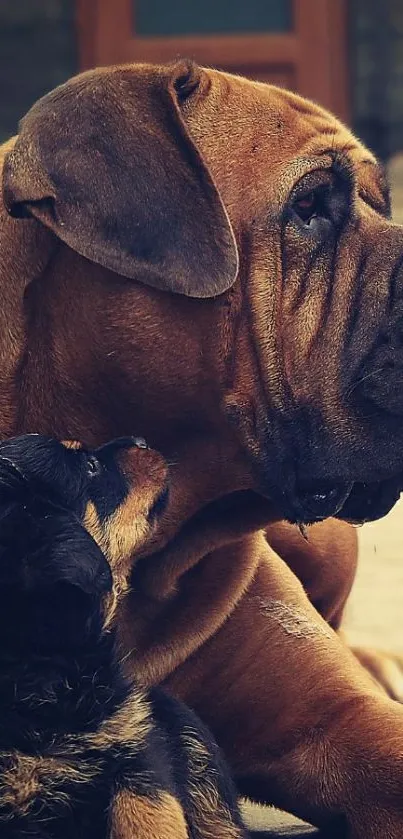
280	137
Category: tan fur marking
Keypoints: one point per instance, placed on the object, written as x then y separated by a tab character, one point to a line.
126	530
29	778
72	444
129	725
210	815
144	818
92	524
118	538
122	533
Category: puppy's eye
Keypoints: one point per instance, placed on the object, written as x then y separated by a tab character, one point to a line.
93	466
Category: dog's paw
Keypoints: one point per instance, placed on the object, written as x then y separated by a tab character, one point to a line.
385	668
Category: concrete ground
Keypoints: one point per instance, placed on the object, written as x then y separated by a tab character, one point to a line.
375	609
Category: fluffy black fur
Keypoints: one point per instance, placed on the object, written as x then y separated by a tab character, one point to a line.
60	679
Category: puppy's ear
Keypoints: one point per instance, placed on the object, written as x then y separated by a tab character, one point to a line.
43	548
77	561
106	162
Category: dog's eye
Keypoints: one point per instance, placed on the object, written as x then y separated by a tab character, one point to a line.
309	206
93	466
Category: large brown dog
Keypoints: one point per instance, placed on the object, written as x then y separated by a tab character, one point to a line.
210	260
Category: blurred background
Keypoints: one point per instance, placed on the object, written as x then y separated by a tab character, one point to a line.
345	54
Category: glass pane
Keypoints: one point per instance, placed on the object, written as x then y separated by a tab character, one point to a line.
211	17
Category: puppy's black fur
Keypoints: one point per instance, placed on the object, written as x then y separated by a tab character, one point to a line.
74	734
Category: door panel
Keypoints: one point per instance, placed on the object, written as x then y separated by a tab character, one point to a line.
300	44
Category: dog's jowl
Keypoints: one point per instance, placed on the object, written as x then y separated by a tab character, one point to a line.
84	753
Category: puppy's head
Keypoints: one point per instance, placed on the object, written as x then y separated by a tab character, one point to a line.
70	520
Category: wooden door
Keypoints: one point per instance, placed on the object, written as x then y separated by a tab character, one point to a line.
300	44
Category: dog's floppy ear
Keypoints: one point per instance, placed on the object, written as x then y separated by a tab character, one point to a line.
106	162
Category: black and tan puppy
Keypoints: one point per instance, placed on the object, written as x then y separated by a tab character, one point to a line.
83	753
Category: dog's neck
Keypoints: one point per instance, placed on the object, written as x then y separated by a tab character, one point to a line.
97	357
85	372
87	354
26	250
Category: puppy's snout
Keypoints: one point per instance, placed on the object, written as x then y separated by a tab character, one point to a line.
144	469
142	475
145	474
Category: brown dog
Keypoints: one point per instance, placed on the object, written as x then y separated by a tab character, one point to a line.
269	374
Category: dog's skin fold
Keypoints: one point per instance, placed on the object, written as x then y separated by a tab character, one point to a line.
133	196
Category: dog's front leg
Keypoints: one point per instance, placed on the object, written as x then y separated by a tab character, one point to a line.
302	726
160	817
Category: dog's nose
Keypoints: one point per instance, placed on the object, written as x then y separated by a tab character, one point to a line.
140	442
124	443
